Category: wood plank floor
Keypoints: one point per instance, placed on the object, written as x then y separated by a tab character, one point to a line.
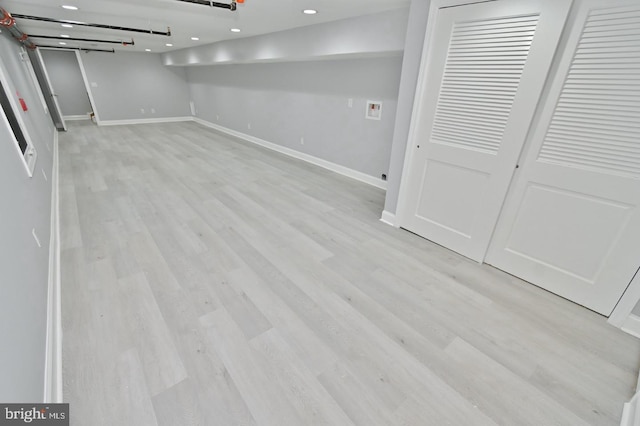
207	281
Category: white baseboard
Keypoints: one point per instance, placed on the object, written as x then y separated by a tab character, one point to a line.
632	325
143	121
76	117
389	218
631	412
53	354
345	171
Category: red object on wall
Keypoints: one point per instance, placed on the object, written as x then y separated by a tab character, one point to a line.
23	104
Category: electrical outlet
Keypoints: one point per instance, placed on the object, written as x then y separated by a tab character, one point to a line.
350	102
142	110
249	126
217	117
153	110
301	141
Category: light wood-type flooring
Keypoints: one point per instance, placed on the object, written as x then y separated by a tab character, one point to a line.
208	281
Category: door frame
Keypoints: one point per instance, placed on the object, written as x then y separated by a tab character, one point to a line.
85	79
87	86
402	210
50	93
627	302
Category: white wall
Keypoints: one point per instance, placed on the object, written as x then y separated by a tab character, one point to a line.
66	79
284	102
25	206
416	31
296	84
377	34
124	84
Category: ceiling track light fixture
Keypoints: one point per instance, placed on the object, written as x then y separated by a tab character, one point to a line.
124	43
86	24
82	49
231	6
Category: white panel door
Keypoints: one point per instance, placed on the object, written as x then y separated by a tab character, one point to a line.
571	223
486	68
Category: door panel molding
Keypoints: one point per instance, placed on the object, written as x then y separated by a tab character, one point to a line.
585	144
474	98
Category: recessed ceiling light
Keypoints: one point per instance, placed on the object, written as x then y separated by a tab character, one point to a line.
195	38
309	11
63	43
69	7
169	45
147	50
235	30
64	35
67	25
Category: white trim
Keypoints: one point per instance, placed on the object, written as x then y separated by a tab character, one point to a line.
76	117
627	302
57	111
403	196
631	412
337	168
30	155
632	325
53	346
87	86
143	121
26	59
389	218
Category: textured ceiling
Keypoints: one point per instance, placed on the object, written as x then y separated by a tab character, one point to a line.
186	20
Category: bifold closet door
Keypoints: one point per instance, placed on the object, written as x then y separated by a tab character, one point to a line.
571	223
487	64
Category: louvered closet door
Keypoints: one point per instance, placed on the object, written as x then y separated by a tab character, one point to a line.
486	69
572	220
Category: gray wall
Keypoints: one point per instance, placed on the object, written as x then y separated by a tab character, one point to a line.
370	35
295	84
416	31
26	205
284	102
66	79
123	84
